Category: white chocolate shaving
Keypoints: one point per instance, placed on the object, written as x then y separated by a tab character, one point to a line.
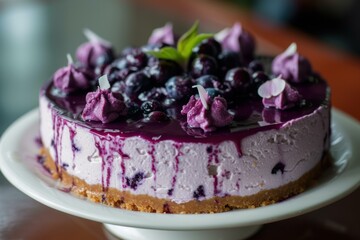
94	38
203	95
104	82
291	50
272	88
69	59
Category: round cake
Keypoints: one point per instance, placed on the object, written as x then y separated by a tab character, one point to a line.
189	124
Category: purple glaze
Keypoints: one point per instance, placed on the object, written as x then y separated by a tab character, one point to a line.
248	118
153	162
178	154
104	106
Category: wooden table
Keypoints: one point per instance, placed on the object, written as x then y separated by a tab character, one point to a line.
24	218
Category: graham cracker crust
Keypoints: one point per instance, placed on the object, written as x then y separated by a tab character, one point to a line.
144	203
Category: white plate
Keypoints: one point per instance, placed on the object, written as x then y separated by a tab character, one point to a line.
17	162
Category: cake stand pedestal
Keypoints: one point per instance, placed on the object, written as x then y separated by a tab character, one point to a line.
156	234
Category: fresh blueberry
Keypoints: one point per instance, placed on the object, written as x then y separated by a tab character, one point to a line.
239	79
225	89
151	106
136	83
207	81
229	60
257	79
132	58
118	87
106	58
204	65
208	47
162	70
133	109
256	66
158	94
179	87
212	92
115	74
158	116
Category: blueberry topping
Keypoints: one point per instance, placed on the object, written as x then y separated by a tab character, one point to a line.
207	81
133	109
136	83
135	181
179	87
208	47
158	94
204	65
229	60
151	106
162	70
118	87
115	74
257	79
278	167
158	116
133	59
212	92
105	59
239	79
199	192
256	66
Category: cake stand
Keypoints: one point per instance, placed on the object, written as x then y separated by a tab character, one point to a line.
18	150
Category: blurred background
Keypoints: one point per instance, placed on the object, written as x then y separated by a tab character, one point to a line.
36	35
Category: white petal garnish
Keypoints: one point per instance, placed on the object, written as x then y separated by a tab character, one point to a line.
69	59
272	88
203	95
222	34
104	82
93	37
291	50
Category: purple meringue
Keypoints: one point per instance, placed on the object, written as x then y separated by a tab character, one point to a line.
103	105
70	78
162	35
207	116
88	53
236	39
291	66
279	94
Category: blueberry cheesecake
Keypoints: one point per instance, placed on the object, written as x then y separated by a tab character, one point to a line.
191	124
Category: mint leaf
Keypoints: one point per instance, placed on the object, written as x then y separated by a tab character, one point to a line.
193	42
167	53
186	37
185	45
